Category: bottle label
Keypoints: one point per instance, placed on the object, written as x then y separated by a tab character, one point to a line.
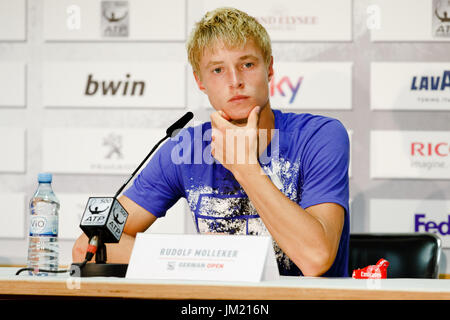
43	226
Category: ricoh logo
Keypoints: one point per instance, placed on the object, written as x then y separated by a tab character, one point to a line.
429	155
285	87
422	224
429	149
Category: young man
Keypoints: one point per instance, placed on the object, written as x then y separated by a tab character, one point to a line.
298	194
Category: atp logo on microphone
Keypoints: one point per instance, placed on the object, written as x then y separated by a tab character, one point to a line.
96	212
104	216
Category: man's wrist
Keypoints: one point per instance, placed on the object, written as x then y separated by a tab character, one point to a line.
244	173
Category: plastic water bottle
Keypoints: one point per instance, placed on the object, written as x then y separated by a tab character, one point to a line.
43	247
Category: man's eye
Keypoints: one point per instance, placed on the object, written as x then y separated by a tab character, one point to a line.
217	70
248	65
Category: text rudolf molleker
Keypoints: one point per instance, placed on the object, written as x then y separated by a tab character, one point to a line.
203	257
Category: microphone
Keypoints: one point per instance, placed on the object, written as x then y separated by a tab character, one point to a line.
179	124
104	218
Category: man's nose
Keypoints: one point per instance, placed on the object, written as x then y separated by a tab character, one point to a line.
235	79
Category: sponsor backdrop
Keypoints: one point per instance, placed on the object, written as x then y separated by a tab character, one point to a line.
88	86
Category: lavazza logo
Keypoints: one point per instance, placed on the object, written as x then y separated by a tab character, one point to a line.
432	87
429	155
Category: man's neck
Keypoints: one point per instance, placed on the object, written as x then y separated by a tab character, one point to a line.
266	126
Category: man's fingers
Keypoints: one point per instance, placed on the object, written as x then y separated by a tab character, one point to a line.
217	119
253	118
224	115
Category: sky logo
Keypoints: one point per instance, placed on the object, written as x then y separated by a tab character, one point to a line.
285	88
422	225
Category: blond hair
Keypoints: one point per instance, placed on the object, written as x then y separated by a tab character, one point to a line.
231	26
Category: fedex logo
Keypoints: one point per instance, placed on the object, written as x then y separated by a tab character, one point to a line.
441	149
421	225
285	87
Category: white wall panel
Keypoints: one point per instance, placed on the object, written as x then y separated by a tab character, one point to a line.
290	20
13	215
411	215
403	20
12	84
114	84
410	154
12	142
12	20
85	20
312	85
97	151
410	86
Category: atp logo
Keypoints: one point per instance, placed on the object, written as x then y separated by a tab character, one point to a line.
285	87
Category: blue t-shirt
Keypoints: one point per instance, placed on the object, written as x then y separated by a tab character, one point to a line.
307	159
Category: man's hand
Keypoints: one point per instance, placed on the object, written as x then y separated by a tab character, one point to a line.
235	147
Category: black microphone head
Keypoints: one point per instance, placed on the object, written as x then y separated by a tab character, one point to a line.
105	217
179	124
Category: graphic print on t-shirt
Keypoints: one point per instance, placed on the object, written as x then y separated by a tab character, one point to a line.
218	210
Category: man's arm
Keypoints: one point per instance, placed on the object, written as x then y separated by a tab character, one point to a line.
138	220
310	237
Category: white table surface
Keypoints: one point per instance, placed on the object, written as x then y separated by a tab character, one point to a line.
412	285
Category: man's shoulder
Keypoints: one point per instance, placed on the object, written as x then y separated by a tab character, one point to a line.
304	123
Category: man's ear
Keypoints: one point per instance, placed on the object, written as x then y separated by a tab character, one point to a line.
270	69
199	82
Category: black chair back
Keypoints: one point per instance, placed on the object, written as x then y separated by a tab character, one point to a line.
410	255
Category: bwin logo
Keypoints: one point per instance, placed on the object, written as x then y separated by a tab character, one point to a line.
421	225
124	87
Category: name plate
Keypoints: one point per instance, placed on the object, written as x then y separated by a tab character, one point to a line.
203	257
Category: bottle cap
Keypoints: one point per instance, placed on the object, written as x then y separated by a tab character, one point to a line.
45	177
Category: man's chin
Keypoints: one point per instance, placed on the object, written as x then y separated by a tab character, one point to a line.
239	122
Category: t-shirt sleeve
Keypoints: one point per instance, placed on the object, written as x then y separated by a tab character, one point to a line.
158	186
325	166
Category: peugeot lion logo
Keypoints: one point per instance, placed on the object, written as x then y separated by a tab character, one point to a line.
114	143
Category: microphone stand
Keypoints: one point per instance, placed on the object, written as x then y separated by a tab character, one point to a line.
101	268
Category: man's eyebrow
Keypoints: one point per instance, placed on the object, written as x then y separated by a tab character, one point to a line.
247	57
212	63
